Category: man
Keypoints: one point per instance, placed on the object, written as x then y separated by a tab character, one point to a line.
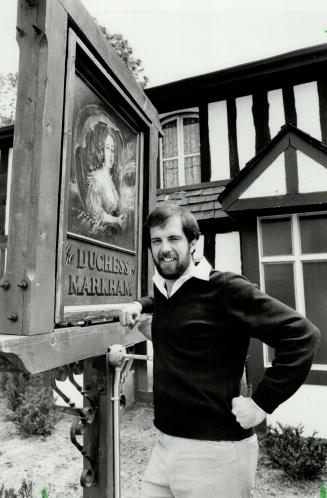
202	322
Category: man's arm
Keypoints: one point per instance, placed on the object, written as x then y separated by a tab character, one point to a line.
294	338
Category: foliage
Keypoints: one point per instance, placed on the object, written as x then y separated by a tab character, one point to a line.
25	491
13	385
8	82
298	456
36	414
8	90
125	52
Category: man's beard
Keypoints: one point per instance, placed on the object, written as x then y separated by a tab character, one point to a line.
172	271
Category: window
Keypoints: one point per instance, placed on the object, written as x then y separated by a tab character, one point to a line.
293	269
180	151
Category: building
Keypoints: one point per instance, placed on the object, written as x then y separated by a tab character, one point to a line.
245	149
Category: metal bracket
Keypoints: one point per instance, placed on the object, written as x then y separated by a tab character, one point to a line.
85	415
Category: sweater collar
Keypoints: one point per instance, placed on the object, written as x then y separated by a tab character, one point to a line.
201	271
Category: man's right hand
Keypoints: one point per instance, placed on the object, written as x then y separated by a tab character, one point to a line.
129	316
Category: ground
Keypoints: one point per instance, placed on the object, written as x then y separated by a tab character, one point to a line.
53	463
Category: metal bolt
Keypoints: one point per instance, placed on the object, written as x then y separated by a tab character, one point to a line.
13	317
22	284
5	285
38	31
20	31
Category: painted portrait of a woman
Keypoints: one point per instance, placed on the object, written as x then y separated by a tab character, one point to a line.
102	200
97	189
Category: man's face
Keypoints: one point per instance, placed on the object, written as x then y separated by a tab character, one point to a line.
171	251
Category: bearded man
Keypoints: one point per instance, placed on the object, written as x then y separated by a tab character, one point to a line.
203	320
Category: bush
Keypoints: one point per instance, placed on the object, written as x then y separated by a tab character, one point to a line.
298	456
13	385
36	414
25	491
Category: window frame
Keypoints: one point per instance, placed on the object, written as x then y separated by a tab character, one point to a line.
296	258
178	117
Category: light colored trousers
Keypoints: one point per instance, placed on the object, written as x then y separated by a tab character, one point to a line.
189	468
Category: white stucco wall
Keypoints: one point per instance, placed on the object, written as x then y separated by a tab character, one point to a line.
218	139
245	130
307	108
199	248
308	407
271	182
228	252
276	111
312	175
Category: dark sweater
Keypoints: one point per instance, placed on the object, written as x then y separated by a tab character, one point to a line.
200	340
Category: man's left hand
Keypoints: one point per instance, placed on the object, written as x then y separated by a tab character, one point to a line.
247	413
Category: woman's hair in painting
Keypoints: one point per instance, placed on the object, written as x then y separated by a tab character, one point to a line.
95	146
160	216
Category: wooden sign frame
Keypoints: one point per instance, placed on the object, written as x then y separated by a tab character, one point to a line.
97	265
32	303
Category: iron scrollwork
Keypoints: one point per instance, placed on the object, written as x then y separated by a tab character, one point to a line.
85	415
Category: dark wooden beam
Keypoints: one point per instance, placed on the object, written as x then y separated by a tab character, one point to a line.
292	176
232	137
289	105
204	143
210	247
260	110
322	94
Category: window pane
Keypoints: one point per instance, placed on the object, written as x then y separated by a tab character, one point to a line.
276	237
192	170
279	282
170	173
315	292
191	136
313	233
169	142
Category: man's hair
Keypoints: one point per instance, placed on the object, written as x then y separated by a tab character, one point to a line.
160	216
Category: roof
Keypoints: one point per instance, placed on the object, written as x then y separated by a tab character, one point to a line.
250	165
288	141
267	74
201	199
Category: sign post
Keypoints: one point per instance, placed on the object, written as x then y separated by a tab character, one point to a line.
83	180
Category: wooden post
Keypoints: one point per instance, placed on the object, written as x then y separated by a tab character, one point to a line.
98	440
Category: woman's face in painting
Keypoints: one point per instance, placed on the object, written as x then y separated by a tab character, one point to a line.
109	153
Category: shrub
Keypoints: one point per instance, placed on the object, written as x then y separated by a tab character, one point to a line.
36	414
13	385
298	456
25	491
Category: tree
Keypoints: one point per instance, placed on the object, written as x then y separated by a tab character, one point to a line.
8	82
125	52
8	90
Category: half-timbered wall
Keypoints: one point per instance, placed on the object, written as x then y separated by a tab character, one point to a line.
241	120
247	126
245	109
